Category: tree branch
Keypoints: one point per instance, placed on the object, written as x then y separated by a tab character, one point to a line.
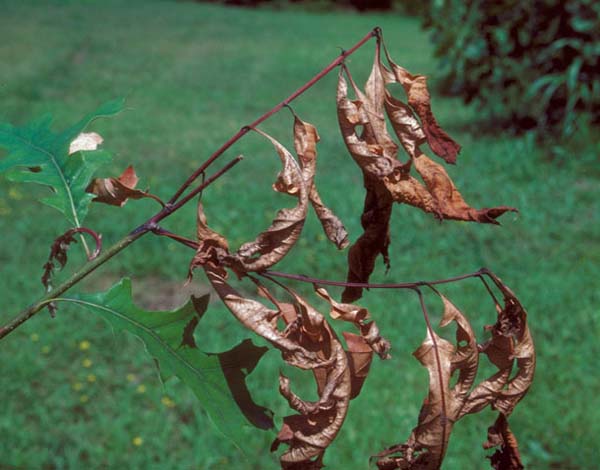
173	204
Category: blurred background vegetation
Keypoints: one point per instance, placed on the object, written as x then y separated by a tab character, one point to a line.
76	396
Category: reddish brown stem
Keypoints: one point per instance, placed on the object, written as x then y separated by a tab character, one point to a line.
97	240
366	285
170	208
173	236
339	60
327	282
175	202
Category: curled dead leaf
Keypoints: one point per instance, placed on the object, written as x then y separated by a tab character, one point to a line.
508	456
419	99
428	442
116	191
358	316
310	433
305	143
271	245
375	163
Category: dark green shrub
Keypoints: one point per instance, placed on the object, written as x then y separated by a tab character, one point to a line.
528	64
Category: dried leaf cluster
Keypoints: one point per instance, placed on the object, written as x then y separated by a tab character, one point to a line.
305	337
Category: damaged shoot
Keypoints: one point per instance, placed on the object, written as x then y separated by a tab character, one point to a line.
390	138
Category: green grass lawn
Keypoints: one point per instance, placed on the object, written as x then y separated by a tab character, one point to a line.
74	395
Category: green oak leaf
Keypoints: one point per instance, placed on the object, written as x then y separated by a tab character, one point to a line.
36	154
217	380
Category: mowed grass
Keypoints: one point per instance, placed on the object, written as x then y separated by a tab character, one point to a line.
74	395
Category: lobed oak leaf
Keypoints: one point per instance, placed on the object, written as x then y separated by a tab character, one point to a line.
37	154
217	379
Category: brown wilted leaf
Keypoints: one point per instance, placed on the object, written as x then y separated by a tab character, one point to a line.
449	201
405	124
58	253
375	163
116	191
310	433
360	356
85	141
305	143
440	195
358	316
261	320
512	323
212	246
416	90
373	101
511	339
428	442
273	244
508	456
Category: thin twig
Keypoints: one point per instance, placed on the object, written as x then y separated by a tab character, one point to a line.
175	203
232	140
367	285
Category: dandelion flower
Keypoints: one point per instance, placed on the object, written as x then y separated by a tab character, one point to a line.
137	441
84	345
87	363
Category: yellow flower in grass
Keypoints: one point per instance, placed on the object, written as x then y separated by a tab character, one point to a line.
91	378
46	349
84	398
141	388
84	345
167	402
77	386
130	378
14	193
34	337
137	441
87	363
